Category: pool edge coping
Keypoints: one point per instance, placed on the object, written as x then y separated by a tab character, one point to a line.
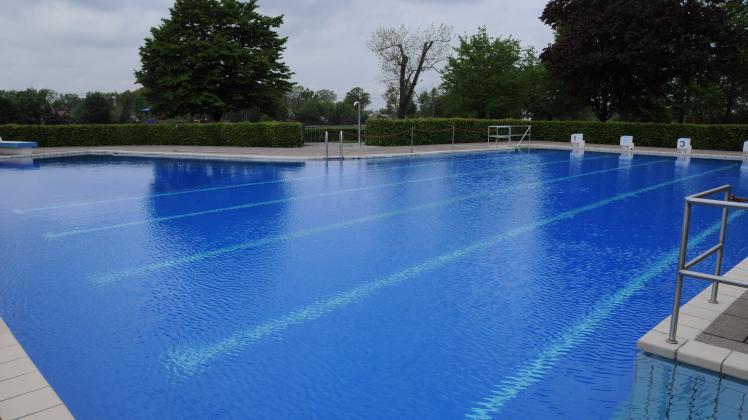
24	391
596	148
695	317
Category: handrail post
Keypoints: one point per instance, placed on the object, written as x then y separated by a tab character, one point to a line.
679	278
721	252
453	137
340	136
327	148
412	128
359	124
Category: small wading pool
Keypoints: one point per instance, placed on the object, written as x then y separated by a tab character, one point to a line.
483	285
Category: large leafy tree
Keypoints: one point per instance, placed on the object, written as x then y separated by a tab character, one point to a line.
212	56
96	108
619	55
542	97
357	94
723	97
483	79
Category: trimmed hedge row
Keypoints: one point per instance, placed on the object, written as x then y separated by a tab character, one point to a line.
261	134
382	132
317	134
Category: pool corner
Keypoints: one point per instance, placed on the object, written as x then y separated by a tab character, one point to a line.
709	336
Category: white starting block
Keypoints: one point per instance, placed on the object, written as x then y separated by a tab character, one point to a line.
627	142
577	140
684	145
745	151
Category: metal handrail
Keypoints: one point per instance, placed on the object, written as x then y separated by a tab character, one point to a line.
684	266
507	136
526	134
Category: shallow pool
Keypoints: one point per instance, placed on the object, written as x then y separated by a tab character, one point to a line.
510	285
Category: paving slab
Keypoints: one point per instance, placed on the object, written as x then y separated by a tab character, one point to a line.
23	389
729	327
714	340
655	342
736	365
703	355
58	412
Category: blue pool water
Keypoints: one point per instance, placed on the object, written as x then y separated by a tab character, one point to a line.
506	285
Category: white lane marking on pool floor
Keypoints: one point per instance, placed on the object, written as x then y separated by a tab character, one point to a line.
242	185
58	235
190	358
533	371
117	275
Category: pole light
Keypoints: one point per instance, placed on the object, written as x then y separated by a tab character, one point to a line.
357	104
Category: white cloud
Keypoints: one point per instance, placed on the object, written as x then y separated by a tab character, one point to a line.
83	45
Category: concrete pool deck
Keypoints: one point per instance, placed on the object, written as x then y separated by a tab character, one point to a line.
711	336
24	393
316	151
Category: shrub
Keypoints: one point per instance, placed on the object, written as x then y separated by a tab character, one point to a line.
382	132
317	133
262	134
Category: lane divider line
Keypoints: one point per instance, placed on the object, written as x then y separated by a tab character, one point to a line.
190	359
227	187
534	370
58	235
268	240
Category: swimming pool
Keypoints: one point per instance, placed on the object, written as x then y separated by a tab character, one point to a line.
481	285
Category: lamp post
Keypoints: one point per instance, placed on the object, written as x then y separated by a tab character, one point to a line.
357	104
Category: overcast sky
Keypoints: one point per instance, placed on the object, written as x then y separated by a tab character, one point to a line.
85	45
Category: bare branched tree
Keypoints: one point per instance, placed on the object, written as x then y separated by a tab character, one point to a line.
405	55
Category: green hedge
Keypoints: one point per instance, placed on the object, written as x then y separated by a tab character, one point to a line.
317	133
439	131
262	134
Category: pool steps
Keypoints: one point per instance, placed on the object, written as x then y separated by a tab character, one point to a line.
697	316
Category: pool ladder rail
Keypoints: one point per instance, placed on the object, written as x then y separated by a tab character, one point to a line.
494	133
327	146
727	203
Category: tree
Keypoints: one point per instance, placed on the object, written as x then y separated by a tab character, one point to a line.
405	55
431	103
65	105
392	103
33	106
8	112
357	94
722	96
310	107
213	56
96	108
482	79
127	105
541	96
619	55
